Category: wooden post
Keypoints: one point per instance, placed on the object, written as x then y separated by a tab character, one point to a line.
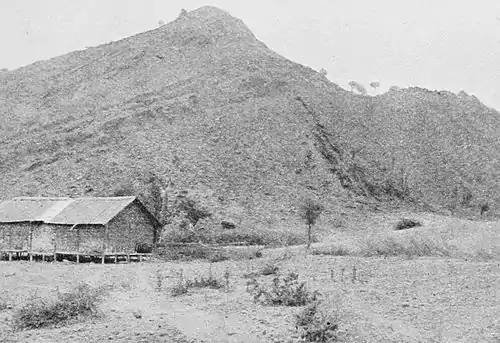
105	234
54	244
116	258
30	245
128	258
10	255
77	257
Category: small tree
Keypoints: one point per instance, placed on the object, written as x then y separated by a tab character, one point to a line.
194	212
375	85
358	87
310	211
323	72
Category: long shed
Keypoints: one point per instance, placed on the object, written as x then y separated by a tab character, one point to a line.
89	225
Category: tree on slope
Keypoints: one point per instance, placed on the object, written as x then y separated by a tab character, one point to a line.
310	211
358	87
375	85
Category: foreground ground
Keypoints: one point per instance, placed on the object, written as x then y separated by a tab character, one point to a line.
392	299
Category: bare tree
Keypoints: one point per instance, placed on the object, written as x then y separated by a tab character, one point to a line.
375	85
358	87
310	211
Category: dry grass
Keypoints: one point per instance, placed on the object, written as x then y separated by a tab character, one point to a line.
39	312
414	246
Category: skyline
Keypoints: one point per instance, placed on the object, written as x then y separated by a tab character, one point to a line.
438	45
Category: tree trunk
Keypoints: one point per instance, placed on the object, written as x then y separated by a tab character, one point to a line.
309	229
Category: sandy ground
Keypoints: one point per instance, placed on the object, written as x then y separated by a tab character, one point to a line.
392	299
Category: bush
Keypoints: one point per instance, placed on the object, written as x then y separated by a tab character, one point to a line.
3	305
283	292
37	313
249	236
269	269
332	251
315	326
192	209
407	224
191	252
144	248
182	286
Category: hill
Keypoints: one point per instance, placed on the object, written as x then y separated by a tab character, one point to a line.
201	101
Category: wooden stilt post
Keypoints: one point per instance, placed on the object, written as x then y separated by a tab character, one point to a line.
54	245
128	258
10	255
103	256
77	258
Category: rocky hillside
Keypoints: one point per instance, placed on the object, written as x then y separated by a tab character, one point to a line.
201	101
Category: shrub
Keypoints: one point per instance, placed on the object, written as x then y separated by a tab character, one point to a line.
38	312
193	210
218	257
249	236
407	224
3	305
185	252
315	326
283	292
269	269
182	285
144	248
332	251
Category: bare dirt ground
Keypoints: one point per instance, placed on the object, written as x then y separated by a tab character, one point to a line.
394	299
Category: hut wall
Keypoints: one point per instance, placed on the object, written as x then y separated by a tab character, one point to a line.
42	239
91	238
15	235
130	227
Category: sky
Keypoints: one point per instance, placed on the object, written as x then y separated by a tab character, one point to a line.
435	44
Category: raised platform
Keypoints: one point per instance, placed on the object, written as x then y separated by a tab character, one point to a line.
114	257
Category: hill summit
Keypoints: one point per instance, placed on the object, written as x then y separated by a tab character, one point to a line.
202	102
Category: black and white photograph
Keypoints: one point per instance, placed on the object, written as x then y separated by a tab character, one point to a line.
249	171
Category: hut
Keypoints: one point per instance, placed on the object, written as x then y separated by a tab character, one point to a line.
88	225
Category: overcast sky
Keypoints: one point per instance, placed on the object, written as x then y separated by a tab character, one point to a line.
436	44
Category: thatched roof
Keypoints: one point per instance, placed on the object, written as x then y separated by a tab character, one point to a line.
67	211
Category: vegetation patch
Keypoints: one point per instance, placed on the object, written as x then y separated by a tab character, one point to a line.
405	223
332	251
284	291
416	246
38	312
315	325
183	285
